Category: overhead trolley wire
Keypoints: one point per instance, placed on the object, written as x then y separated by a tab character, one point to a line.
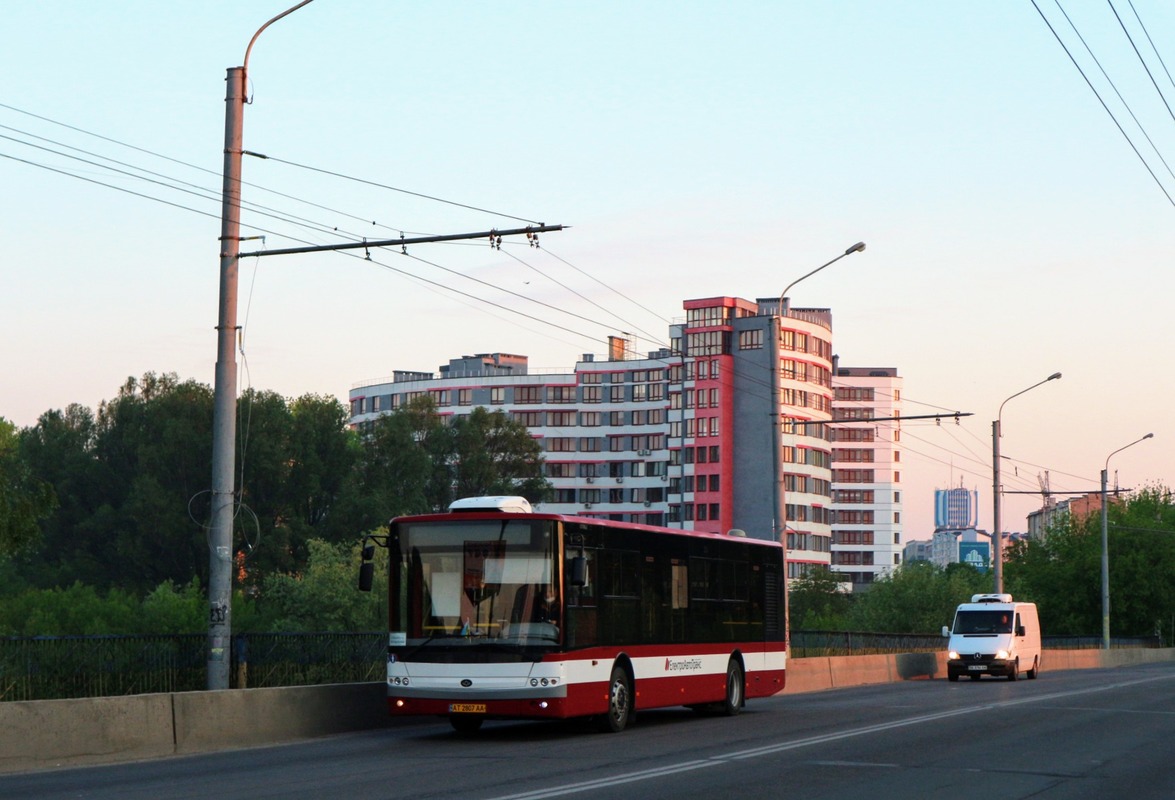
1097	94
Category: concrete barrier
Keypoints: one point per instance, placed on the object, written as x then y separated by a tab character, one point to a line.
266	716
43	734
94	730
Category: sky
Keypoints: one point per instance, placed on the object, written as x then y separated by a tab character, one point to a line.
1015	227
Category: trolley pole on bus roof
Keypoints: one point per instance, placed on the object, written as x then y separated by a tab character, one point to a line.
224	408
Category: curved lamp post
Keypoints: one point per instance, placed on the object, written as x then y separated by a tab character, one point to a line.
224	398
1106	547
780	521
997	536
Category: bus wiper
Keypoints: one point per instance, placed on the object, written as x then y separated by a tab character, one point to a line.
407	656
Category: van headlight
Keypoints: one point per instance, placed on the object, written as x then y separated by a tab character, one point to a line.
1001	655
953	655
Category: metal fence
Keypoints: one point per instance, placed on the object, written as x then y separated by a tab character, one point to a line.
808	644
55	667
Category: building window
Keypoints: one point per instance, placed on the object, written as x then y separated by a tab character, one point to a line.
464	397
497	395
560	444
561	419
593	394
589	445
590	377
560	394
615	418
590	419
750	340
528	394
708	343
616	394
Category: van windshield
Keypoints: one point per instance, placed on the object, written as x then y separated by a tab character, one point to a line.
987	621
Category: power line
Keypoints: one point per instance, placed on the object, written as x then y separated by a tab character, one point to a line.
1103	103
385	186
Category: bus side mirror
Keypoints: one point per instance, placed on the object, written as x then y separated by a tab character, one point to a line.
579	571
366	575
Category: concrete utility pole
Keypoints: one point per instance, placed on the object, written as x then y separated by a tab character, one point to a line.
224	404
778	504
224	410
997	536
1106	544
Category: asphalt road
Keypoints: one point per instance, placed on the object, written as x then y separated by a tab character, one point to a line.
1078	734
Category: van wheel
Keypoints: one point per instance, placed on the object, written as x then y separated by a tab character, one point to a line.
735	686
953	677
619	702
1032	673
1014	672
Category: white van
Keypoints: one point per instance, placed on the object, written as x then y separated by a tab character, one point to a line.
993	636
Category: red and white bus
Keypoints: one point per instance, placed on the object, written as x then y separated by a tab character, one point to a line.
498	612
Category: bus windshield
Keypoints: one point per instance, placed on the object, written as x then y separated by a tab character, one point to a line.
471	581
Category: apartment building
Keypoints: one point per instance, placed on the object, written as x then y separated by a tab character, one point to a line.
866	473
698	435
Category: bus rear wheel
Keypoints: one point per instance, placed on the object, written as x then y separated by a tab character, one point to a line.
735	686
619	702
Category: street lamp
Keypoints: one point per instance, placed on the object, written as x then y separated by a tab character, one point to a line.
224	402
858	247
1106	548
776	376
997	537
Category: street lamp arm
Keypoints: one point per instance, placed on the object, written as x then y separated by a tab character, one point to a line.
1120	449
288	11
1052	377
857	248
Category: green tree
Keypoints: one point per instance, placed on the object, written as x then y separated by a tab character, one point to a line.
325	596
918	597
154	440
493	454
1061	571
24	499
175	609
816	602
60	450
397	470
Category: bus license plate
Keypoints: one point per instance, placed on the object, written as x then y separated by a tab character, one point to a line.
467	708
977	667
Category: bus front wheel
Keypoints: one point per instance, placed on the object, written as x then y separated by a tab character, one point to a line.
619	702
